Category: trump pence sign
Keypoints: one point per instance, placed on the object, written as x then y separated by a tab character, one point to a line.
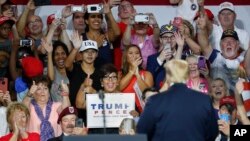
116	107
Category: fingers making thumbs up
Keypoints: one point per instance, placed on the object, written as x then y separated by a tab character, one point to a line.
33	89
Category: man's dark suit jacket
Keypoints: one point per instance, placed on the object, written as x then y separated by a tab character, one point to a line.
156	70
179	114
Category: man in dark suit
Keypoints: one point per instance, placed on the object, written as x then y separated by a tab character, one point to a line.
67	119
180	113
156	61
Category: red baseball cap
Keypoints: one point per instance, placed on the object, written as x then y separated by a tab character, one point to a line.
50	18
228	100
4	19
32	66
67	111
209	13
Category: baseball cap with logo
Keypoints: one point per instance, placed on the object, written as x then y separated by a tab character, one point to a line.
230	33
67	111
88	44
226	5
4	19
167	28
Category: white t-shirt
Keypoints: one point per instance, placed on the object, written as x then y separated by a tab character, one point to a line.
4	128
217	33
187	10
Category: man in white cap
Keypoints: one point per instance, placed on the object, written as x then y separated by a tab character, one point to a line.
67	119
226	17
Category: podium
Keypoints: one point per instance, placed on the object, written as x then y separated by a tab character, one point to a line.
109	137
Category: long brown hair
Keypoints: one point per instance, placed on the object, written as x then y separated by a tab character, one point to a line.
125	64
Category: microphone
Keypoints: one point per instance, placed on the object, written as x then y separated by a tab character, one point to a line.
102	96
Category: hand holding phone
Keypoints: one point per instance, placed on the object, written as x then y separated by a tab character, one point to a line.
225	117
143	18
77	9
201	62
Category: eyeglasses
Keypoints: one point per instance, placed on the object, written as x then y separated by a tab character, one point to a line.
113	78
168	37
34	22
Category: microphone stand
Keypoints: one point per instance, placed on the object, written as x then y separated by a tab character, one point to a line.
102	96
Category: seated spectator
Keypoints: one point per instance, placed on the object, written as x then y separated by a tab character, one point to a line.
6	24
67	120
148	44
190	45
18	117
126	9
167	49
95	32
225	64
110	83
195	80
227	18
228	116
133	78
218	89
57	54
5	100
82	74
38	100
10	10
127	127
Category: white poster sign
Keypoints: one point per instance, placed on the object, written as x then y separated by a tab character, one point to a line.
116	107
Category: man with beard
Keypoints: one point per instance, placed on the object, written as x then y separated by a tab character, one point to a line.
67	120
224	64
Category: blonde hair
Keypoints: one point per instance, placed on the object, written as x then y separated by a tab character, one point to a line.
12	108
176	71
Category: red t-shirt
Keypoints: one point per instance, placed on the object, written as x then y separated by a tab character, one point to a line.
31	137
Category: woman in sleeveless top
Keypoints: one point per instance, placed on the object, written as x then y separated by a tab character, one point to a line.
133	78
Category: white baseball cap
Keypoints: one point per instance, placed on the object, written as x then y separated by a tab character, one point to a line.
89	44
226	5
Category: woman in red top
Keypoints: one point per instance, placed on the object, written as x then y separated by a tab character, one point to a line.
17	118
134	79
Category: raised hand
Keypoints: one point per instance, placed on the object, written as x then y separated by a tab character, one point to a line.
113	3
6	97
179	39
33	89
63	23
201	21
47	46
64	87
55	23
66	11
106	7
31	5
152	20
165	55
240	86
76	40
